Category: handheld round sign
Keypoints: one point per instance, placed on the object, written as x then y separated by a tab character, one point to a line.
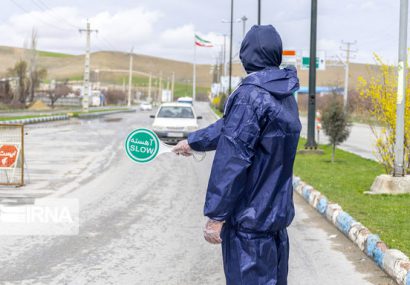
142	145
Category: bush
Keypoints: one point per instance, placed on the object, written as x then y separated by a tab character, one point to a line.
115	97
221	106
336	123
215	102
381	91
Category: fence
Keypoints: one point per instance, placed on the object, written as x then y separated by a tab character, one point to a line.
12	154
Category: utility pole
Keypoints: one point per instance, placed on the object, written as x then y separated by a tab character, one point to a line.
33	65
348	50
149	88
160	87
244	19
311	144
224	54
259	12
194	75
230	51
86	84
399	165
130	78
173	86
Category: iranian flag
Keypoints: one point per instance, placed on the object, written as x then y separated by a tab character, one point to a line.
201	42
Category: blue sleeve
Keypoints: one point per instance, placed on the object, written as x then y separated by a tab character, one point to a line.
234	155
206	139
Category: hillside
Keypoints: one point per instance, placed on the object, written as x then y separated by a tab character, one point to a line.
113	67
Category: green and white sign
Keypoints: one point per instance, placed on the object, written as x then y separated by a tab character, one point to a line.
142	145
320	60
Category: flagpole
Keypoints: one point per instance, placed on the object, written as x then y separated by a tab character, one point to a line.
194	74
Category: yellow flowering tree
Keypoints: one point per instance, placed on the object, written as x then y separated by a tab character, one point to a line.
381	90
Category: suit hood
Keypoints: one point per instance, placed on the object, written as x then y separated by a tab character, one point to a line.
261	48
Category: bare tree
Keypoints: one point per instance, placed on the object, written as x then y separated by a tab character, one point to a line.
60	90
19	71
6	94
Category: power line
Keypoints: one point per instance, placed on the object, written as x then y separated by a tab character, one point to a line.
37	18
48	10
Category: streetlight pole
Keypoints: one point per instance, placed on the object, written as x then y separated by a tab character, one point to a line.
244	19
130	78
230	51
311	143
259	12
399	168
224	54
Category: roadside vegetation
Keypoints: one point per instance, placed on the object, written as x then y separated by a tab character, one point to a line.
381	91
12	118
345	182
336	123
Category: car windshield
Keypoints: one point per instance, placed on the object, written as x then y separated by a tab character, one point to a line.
176	112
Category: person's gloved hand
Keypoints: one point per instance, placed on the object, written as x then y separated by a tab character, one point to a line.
182	148
212	231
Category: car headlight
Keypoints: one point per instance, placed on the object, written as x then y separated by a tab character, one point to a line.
191	128
158	128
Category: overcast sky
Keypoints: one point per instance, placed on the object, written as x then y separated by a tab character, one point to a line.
165	28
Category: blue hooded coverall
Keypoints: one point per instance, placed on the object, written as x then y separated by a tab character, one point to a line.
250	187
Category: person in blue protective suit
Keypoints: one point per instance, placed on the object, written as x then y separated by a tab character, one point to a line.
249	198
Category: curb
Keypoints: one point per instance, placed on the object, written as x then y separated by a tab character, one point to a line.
37	120
63	117
394	262
100	114
213	113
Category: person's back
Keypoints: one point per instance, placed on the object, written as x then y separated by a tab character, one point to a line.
249	193
266	201
267	204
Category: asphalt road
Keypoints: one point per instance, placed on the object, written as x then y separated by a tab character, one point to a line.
361	140
142	224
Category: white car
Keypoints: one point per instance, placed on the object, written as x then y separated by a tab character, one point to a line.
145	106
187	100
174	121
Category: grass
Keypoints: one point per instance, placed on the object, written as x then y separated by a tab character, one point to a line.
345	181
216	110
76	114
52	54
72	113
2	119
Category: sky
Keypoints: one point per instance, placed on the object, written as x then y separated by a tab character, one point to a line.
165	28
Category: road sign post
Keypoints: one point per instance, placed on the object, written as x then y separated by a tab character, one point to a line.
289	59
12	154
311	144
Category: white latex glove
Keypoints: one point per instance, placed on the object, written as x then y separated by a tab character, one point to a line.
182	148
212	231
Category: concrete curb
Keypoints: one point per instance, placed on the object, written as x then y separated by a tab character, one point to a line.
392	261
64	117
37	120
100	114
213	112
